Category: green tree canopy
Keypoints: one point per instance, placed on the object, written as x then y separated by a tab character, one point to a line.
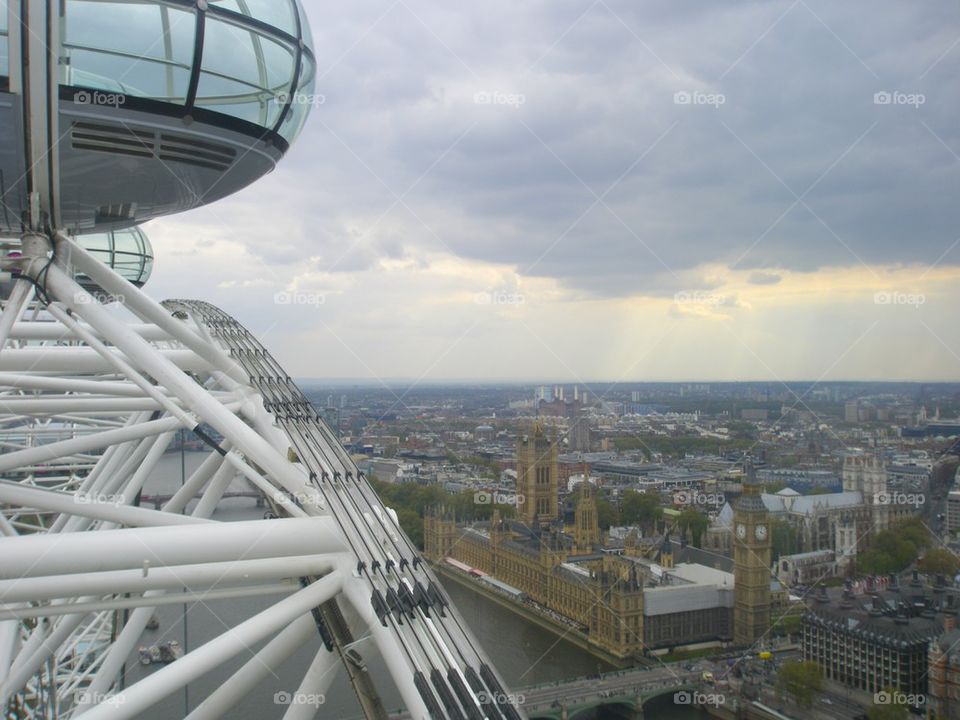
783	538
412	500
640	508
607	514
787	625
694	521
940	561
893	550
888	711
801	681
411	524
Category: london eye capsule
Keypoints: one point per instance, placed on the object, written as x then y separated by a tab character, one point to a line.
127	251
145	108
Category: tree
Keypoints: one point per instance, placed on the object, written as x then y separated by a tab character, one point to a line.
787	625
801	681
640	508
783	538
914	531
940	561
694	521
886	556
412	525
893	550
890	710
607	514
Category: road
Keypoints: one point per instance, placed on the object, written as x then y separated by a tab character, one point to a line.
838	707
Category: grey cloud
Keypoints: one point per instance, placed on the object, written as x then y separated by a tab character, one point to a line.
764	278
709	192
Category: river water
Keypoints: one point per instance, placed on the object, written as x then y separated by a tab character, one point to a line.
523	653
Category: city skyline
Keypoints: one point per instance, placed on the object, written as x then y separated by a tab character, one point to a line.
605	191
632	381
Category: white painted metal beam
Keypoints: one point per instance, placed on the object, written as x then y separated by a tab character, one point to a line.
213	574
23	612
74	360
51	451
232	691
39	331
89	506
132	701
65	553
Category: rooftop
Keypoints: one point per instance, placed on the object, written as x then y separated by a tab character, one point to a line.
910	612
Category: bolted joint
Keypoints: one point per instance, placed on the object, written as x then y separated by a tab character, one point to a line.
34	245
33	255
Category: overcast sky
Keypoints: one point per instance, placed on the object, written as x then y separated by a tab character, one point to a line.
614	190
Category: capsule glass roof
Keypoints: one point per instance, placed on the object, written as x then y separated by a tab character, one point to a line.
244	59
127	251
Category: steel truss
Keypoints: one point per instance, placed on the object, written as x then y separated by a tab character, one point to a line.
91	401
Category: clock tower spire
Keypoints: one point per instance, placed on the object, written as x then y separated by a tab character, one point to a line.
751	555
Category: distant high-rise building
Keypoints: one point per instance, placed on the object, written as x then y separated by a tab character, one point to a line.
331	416
953	507
851	411
579	437
635	396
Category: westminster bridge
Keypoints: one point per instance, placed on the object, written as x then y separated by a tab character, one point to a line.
621	694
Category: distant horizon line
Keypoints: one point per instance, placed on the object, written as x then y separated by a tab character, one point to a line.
580	383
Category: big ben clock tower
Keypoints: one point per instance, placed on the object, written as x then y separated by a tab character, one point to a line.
751	555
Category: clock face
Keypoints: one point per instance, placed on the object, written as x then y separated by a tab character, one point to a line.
761	532
741	531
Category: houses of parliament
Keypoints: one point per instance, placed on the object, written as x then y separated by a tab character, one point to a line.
640	596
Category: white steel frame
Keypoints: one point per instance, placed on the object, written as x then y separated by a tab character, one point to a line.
90	400
77	449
